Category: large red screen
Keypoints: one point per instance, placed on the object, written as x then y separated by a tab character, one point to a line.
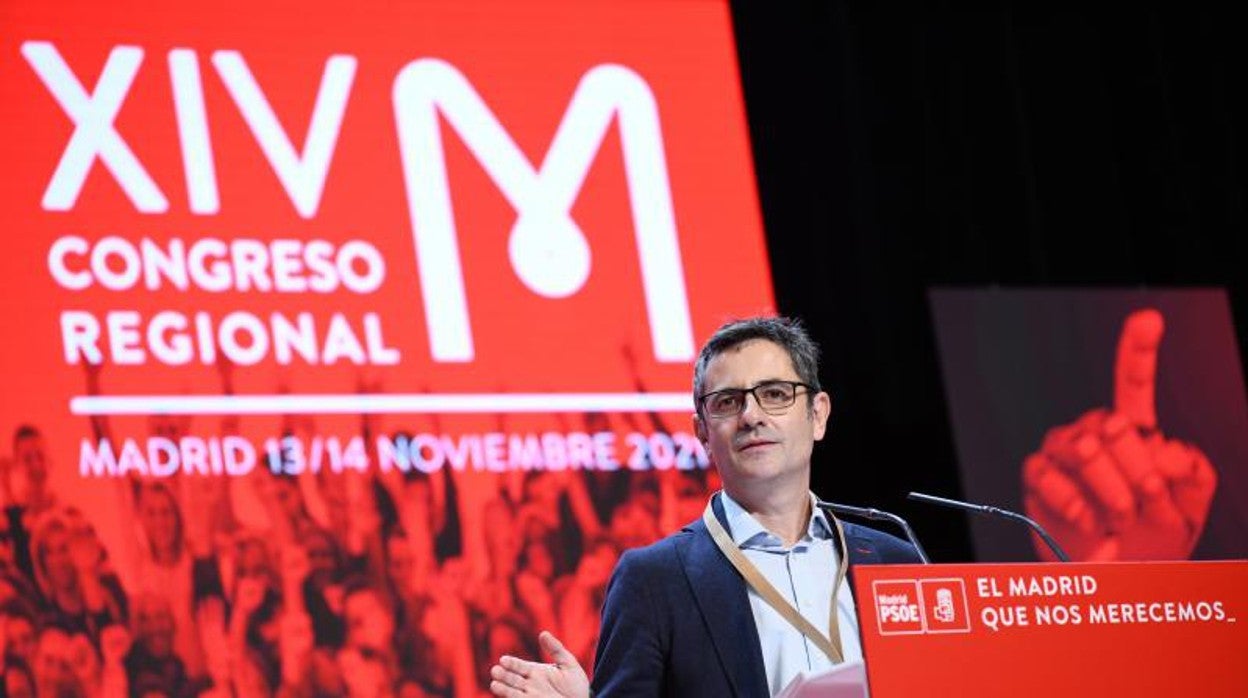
355	341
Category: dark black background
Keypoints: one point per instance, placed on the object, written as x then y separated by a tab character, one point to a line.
902	147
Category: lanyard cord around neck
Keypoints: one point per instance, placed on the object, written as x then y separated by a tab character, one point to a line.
829	644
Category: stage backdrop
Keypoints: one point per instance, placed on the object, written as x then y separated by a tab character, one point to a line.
349	346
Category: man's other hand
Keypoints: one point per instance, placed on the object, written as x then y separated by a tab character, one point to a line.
562	678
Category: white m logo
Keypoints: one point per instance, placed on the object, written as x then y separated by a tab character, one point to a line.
548	251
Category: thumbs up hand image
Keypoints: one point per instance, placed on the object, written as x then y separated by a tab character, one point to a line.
1111	485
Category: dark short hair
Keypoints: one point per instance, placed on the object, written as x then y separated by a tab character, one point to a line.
788	333
25	431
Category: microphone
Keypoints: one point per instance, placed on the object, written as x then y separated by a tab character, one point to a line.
993	511
876	515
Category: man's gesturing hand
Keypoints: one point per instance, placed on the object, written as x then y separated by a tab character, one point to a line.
1110	486
564	678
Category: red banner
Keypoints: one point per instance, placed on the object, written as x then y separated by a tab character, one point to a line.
309	303
1078	629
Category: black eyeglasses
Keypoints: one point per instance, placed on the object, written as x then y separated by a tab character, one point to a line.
771	396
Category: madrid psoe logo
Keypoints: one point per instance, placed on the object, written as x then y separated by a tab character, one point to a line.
913	607
897	607
944	604
548	251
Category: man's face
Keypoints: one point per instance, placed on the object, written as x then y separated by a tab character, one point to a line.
321	557
17	684
399	562
56	560
158	517
368	621
154	626
632	526
21	636
251	562
501	541
53	665
29	453
756	447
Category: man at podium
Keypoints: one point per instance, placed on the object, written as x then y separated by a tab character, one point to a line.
754	594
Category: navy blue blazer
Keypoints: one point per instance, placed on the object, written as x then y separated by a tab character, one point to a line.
677	621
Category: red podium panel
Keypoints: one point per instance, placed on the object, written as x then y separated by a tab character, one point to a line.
1106	629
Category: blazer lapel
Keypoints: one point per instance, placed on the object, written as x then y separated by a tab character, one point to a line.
725	608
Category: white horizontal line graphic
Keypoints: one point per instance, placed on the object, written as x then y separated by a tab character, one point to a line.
381	403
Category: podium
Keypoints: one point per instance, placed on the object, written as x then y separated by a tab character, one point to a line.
847	680
1053	629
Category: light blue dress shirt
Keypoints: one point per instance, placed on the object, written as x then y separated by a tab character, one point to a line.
803	574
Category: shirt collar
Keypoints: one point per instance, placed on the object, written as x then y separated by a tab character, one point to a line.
746	531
